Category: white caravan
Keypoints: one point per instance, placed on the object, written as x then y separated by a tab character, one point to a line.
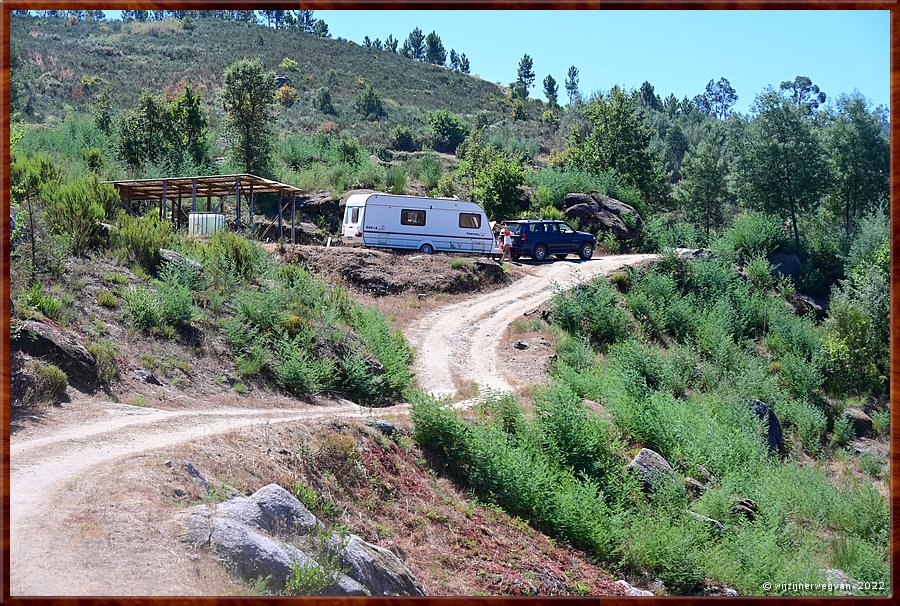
425	224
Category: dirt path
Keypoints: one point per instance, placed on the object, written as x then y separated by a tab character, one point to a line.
454	344
458	344
42	467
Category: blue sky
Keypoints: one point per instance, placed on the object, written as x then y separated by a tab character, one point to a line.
676	51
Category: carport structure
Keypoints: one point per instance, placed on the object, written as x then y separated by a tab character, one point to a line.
170	193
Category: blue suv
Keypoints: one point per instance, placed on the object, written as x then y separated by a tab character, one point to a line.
539	239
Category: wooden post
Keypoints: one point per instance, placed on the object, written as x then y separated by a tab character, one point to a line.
237	202
193	195
208	200
293	214
252	230
280	210
162	204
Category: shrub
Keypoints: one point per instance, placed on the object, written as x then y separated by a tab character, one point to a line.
297	370
50	381
175	305
448	130
143	308
592	310
105	356
759	273
881	422
358	379
322	101
842	432
395	180
231	259
660	234
286	95
369	104
78	208
106	298
850	350
288	64
48	305
140	239
430	170
402	139
388	346
751	234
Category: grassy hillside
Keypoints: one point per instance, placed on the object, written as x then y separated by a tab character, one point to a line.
55	64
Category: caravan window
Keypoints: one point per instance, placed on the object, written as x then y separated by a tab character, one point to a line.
352	214
412	217
470	220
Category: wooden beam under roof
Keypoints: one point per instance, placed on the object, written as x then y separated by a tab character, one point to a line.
215	185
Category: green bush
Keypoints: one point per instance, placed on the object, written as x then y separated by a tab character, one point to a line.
143	308
842	432
78	208
140	238
448	130
751	234
592	310
758	272
298	370
402	139
369	104
50	381
105	356
358	380
387	345
175	304
851	350
48	305
231	259
430	170
395	180
106	298
322	101
660	234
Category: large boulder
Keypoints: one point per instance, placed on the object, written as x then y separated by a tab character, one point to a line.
785	264
43	341
378	569
240	531
251	554
862	423
774	437
595	210
271	509
652	467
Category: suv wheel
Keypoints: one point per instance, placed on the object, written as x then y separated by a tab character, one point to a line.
539	253
586	251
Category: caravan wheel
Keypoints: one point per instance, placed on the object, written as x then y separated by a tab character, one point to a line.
426	249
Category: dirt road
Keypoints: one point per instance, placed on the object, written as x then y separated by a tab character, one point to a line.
457	344
454	344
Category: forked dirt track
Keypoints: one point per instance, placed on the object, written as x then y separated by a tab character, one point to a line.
454	344
458	343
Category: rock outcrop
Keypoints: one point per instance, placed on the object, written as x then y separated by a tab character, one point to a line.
785	264
43	341
594	210
652	468
270	533
862	423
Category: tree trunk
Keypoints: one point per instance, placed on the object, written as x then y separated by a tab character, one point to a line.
794	225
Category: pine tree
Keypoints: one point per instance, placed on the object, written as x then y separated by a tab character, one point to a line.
414	47
454	60
526	72
572	85
464	63
434	49
551	90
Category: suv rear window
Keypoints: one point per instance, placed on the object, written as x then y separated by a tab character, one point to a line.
514	228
